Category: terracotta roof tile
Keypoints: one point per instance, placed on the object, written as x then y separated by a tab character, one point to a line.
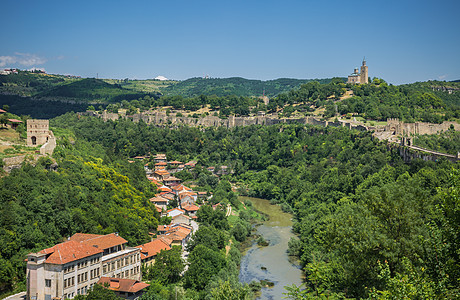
69	251
153	248
99	241
123	284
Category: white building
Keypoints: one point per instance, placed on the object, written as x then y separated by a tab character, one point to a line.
76	265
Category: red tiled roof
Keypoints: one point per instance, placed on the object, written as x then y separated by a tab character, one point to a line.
2	111
161	163
164	188
178	233
181	188
167	195
175	162
99	241
15	120
192	207
69	251
159	209
153	248
123	284
161	172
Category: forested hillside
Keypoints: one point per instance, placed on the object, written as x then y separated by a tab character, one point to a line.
92	192
234	86
369	224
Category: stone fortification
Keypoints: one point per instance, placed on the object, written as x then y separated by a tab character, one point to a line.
38	133
398	128
160	118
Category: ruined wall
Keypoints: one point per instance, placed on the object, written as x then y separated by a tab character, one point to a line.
49	146
15	162
401	128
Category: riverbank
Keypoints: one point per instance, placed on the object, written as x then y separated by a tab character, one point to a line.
271	263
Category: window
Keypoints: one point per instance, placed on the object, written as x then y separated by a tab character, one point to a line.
48	282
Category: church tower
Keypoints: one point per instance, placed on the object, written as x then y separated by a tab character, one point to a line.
364	76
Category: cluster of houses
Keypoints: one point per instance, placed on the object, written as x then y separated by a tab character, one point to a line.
74	266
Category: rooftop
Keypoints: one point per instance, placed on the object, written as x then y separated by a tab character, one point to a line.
153	248
68	251
99	241
123	285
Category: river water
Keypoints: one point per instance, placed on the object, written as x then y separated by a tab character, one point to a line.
271	263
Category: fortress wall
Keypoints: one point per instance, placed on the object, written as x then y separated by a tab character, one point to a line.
49	146
401	128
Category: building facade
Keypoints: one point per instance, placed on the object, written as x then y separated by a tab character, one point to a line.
359	77
76	265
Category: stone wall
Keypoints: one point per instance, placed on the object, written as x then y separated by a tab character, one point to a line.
15	162
406	129
48	147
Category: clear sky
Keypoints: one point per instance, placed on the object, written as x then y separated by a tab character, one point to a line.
403	41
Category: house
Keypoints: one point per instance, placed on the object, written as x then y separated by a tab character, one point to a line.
160	158
190	209
174	164
160	165
179	188
175	212
191	164
75	266
179	235
181	219
164	188
14	123
125	288
160	201
172	181
150	250
187	198
160	175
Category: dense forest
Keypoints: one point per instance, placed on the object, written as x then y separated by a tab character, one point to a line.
369	224
234	86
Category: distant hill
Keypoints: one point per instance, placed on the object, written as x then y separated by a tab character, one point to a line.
90	90
234	86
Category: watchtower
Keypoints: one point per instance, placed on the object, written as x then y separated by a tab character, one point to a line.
364	76
37	132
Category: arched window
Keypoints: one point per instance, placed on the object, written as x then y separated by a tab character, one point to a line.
34	140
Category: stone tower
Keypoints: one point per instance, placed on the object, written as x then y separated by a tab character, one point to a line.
364	75
37	132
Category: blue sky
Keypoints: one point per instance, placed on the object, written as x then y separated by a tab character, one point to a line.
403	41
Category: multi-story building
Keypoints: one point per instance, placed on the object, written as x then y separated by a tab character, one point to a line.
76	265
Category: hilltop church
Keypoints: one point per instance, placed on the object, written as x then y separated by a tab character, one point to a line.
362	77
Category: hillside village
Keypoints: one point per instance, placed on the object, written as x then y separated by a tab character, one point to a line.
86	259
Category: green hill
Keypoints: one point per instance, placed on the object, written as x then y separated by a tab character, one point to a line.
90	90
234	86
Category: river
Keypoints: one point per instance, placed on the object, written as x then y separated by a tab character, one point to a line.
271	263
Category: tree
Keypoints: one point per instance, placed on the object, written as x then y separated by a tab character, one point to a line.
225	291
204	264
168	266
